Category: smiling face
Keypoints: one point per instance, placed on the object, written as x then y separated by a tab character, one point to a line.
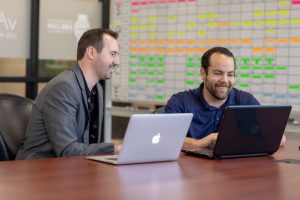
108	59
219	79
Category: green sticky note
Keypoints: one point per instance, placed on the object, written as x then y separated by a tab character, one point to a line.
257	68
244	75
160	97
269	68
132	80
190	65
294	87
133	72
244	85
245	67
150	82
160	82
282	68
150	65
189	73
256	76
245	60
132	65
269	60
189	83
269	76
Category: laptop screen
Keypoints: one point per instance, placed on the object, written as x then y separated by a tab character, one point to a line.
251	129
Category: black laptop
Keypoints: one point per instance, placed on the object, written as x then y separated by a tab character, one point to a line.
247	131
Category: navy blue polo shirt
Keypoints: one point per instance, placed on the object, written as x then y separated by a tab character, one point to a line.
206	118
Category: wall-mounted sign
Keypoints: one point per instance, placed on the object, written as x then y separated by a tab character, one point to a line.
14	28
60	29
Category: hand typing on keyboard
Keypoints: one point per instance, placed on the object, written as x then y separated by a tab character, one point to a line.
117	148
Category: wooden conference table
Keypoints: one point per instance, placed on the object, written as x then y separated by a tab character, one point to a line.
188	178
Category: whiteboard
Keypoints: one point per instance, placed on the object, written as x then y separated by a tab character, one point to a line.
162	41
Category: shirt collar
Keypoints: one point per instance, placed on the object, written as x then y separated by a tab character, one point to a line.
87	90
229	101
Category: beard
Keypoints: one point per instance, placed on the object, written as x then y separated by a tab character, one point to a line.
214	90
108	75
109	72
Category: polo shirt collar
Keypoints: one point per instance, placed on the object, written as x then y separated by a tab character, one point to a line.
88	92
229	101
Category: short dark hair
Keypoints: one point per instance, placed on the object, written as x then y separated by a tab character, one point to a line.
94	38
206	56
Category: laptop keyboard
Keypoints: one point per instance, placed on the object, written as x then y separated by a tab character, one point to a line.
112	158
204	151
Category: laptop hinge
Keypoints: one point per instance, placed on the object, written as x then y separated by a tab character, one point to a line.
242	155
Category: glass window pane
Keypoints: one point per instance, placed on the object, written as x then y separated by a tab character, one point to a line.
41	86
14	28
13	88
60	31
12	67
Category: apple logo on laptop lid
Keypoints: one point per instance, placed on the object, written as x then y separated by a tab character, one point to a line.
156	138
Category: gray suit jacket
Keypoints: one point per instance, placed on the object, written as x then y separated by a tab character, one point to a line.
59	123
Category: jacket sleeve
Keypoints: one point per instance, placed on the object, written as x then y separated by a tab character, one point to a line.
59	112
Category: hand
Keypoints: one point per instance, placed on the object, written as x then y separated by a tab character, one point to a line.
117	148
206	142
283	141
211	140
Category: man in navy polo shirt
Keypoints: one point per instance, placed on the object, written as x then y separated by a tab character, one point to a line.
208	102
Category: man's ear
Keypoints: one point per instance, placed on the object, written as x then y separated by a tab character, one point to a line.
202	73
90	52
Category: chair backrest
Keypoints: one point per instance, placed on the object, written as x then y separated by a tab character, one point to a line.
14	115
159	110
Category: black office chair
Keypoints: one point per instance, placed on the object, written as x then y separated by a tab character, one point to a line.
159	110
14	114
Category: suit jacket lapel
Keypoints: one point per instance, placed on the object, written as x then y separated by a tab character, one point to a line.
100	110
80	81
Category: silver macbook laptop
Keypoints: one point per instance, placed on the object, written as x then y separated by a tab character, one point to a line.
151	138
248	131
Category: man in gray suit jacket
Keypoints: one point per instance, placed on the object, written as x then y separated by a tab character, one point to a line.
67	115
